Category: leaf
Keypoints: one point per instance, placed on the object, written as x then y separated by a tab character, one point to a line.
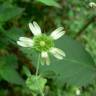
8	12
77	68
8	61
50	3
14	33
36	83
9	74
8	71
26	71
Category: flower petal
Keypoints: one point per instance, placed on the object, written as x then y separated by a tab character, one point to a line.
57	33
36	30
37	27
25	42
25	39
45	58
58	53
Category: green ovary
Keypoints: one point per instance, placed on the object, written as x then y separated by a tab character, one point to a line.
43	43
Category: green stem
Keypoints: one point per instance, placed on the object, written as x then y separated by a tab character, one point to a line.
58	92
34	94
42	94
37	70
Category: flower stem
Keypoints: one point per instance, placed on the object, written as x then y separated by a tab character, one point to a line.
37	69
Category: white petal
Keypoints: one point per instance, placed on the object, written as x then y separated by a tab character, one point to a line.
60	34
44	54
57	30
20	43
57	33
25	43
58	53
35	29
45	58
25	39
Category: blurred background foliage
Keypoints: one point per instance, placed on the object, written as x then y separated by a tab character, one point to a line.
79	21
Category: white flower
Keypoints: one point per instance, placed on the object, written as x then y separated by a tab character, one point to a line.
92	4
43	43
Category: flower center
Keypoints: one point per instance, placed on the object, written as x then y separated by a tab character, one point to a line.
43	43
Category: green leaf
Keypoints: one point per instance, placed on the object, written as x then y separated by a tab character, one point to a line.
8	12
14	33
36	83
11	75
50	3
77	68
8	61
8	71
26	71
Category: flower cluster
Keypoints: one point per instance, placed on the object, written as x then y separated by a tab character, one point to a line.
42	43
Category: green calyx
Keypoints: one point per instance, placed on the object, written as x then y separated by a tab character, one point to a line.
43	42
